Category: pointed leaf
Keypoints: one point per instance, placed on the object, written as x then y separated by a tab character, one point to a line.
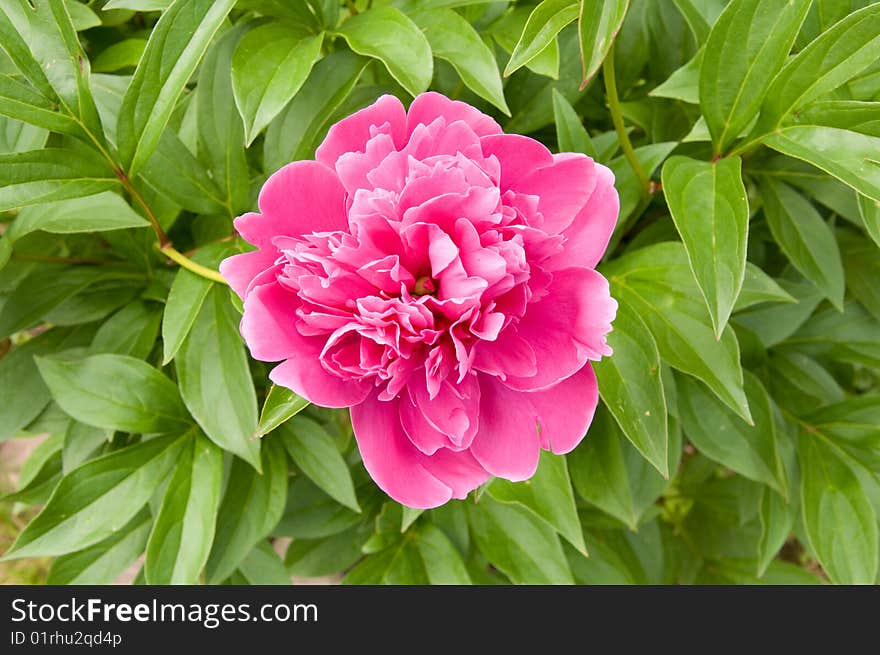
747	47
599	21
709	206
315	453
630	385
386	34
549	495
804	237
215	380
176	45
453	39
270	64
139	399
98	499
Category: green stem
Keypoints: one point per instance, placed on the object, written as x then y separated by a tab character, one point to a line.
617	119
164	244
169	251
139	199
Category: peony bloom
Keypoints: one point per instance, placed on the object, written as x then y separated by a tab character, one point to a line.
436	276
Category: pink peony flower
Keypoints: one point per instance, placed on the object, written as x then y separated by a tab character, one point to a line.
436	276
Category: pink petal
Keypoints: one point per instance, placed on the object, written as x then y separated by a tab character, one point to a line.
268	324
429	106
459	470
300	198
240	270
566	327
391	459
352	133
509	354
304	375
424	436
566	410
562	188
518	155
507	442
588	235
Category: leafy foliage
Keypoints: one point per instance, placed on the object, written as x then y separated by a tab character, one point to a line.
738	440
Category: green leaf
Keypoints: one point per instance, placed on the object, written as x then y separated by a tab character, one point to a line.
185	300
571	135
80	443
252	505
315	453
442	562
709	206
862	264
777	519
215	380
5	252
750	450
798	381
25	394
747	47
270	64
263	566
507	30
544	23
99	213
401	564
837	55
42	291
549	495
612	475
804	237
14	42
453	39
138	5
39	459
183	532
625	180
758	287
869	210
518	543
22	102
280	405
849	156
123	54
410	515
174	172
50	35
102	563
130	331
311	558
630	385
693	13
853	115
297	130
775	323
312	514
97	499
684	83
386	34
38	176
848	336
115	392
599	21
658	284
176	45
220	128
840	522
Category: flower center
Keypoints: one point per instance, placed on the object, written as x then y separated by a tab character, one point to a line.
424	286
